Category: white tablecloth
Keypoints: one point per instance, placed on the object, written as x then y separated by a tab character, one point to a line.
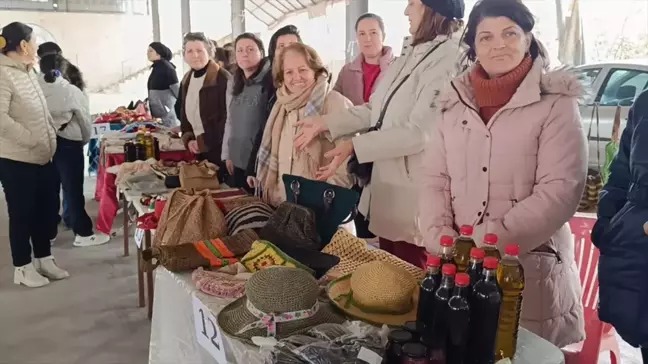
173	337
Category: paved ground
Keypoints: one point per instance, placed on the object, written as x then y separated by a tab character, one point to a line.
91	318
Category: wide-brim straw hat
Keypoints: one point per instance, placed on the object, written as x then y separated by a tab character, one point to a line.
277	290
378	293
354	252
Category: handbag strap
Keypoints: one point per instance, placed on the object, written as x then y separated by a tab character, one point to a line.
400	83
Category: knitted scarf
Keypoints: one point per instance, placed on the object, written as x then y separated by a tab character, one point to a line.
311	99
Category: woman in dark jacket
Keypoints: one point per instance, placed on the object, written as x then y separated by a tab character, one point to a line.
204	100
163	84
621	234
247	111
283	37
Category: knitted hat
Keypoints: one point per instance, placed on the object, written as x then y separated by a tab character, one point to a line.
453	9
253	215
279	302
377	292
162	50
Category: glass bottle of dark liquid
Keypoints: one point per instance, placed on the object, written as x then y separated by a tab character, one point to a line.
476	266
446	253
130	153
458	321
490	246
485	303
156	148
414	353
394	350
463	244
427	289
439	325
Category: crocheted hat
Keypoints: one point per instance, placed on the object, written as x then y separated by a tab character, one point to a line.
274	307
377	292
253	215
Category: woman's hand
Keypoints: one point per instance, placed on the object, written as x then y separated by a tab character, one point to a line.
309	128
339	154
252	181
230	167
193	147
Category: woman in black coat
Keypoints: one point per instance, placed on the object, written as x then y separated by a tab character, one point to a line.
163	84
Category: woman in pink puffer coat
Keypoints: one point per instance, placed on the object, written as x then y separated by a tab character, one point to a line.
509	157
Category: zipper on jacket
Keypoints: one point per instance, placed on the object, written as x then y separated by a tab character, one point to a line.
461	98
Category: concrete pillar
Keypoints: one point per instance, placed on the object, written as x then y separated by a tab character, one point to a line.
155	16
238	17
185	16
354	9
185	22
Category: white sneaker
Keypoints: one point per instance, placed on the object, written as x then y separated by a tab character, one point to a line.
47	267
28	276
92	240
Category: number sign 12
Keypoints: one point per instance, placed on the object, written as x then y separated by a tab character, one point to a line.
208	333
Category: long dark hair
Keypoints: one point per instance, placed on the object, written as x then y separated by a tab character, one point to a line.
55	65
288	29
13	34
239	76
512	9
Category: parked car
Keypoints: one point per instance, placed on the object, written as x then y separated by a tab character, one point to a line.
610	84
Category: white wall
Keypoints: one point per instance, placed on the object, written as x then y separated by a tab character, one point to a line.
103	45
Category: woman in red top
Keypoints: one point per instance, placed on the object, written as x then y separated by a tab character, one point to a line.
358	79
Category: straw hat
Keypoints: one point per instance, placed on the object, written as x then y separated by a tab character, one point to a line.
279	302
353	252
377	292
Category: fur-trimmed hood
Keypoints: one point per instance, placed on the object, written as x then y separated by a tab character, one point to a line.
538	83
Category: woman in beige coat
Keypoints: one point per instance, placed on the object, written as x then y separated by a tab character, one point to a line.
27	145
302	90
508	155
407	96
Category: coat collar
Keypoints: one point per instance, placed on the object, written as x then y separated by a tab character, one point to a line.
211	76
385	60
537	83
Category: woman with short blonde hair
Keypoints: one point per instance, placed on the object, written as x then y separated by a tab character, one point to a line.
302	90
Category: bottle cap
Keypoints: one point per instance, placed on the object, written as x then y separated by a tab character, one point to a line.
462	280
414	350
490	239
466	230
433	261
400	336
490	263
447	240
512	249
477	253
449	269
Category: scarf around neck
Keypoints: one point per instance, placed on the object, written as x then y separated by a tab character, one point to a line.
311	99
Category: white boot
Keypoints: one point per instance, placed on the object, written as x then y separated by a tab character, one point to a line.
92	240
28	276
47	267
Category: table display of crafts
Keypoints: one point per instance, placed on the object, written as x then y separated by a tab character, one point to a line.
239	248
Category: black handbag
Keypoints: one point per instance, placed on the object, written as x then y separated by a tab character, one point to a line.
362	171
333	205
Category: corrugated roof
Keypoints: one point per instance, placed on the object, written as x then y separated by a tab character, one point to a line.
272	12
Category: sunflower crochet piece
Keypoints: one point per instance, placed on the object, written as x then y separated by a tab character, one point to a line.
264	254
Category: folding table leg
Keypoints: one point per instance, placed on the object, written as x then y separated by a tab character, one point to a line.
149	276
126	227
140	277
